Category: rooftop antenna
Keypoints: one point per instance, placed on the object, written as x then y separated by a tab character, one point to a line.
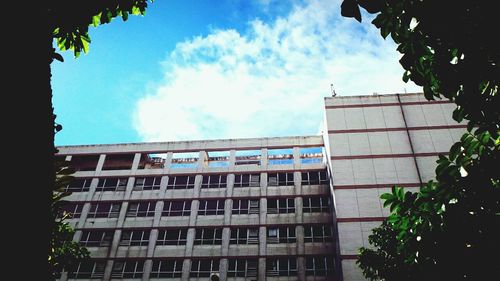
333	90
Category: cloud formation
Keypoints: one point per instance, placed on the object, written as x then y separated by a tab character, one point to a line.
270	80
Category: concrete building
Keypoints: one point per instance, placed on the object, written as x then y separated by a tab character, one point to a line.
282	208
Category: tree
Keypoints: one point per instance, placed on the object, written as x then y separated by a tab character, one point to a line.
65	252
30	130
450	228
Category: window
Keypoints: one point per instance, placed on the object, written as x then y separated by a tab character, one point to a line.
118	162
247	157
78	185
211	207
127	269
280	179
141	209
136	237
176	208
208	236
281	156
104	210
87	270
147	183
242	268
214	181
112	184
245	206
316	204
314	177
84	162
204	267
244	235
180	182
283	234
172	237
166	268
96	238
318	233
73	209
281	206
281	267
319	265
246	180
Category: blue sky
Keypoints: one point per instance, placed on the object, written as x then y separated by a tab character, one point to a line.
204	69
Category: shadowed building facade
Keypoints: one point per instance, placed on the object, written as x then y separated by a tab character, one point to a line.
281	208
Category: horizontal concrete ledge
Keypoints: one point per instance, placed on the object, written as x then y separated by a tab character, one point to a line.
206	257
419	128
385	104
400	155
360	219
378	185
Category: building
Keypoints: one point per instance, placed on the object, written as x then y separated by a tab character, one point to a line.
281	208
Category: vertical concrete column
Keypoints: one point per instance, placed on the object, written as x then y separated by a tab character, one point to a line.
299	205
223	266
230	185
168	162
262	269
299	232
301	268
232	159
186	269
228	209
297	182
122	215
64	276
226	236
262	241
296	158
202	161
263	158
93	185
107	270
263	211
189	242
197	186
135	163
129	188
195	204
84	214
263	184
148	265
77	236
163	186
100	163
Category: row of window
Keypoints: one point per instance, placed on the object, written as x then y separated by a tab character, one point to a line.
206	207
187	182
172	268
207	236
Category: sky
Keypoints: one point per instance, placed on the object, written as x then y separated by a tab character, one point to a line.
205	69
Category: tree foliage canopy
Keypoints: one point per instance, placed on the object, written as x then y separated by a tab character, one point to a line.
450	228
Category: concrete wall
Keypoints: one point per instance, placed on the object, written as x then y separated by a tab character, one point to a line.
375	142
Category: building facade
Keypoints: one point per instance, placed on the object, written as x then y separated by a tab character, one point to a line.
283	208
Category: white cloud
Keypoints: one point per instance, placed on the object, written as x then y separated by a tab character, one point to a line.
270	81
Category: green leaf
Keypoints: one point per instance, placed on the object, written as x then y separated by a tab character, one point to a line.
455	150
350	9
96	19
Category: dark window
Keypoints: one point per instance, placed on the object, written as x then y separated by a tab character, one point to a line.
204	267
244	235
79	185
214	181
84	162
281	206
96	238
245	206
136	237
166	268
318	233
87	270
280	179
73	210
314	177
247	180
283	234
118	162
172	237
141	209
104	210
242	268
180	182
127	269
281	267
211	207
112	184
316	204
208	236
147	183
319	265
176	208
